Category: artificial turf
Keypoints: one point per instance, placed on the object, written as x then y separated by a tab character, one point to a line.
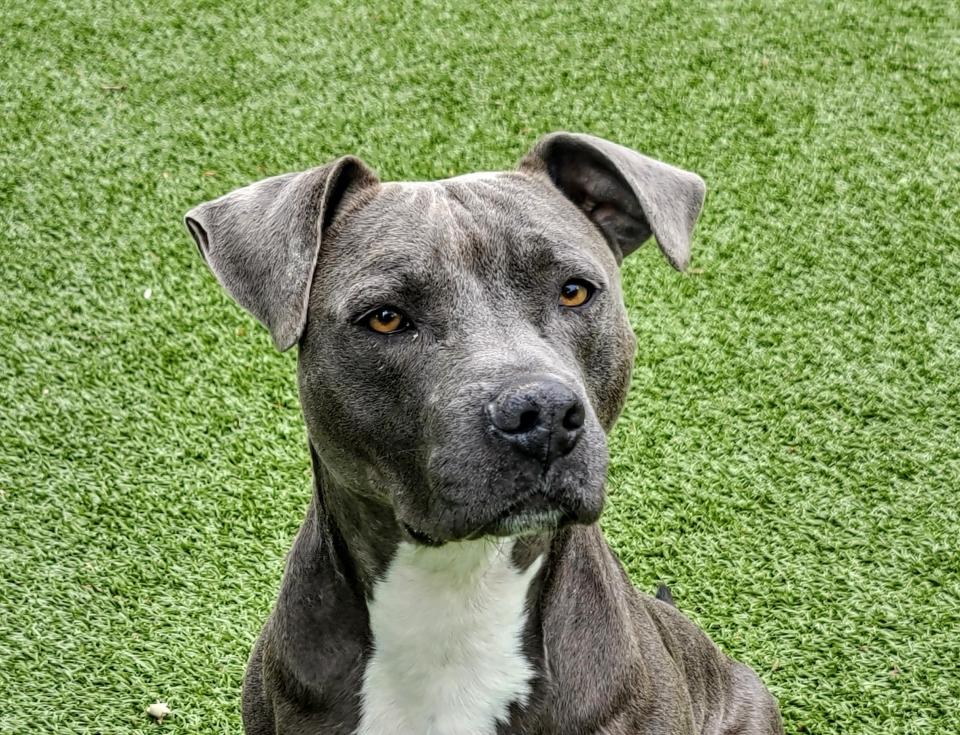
789	460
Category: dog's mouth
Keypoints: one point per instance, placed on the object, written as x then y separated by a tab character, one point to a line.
509	496
527	522
522	518
527	516
419	537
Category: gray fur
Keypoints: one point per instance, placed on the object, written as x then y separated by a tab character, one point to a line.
628	195
401	442
261	241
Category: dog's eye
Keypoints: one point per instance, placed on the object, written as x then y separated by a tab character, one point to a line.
387	320
575	293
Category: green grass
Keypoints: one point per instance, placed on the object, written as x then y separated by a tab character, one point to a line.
789	460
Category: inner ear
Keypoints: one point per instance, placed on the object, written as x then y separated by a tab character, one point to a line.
593	184
199	235
353	178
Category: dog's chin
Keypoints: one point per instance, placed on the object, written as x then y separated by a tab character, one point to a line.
532	515
538	514
526	523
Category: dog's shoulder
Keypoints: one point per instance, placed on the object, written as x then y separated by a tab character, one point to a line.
725	695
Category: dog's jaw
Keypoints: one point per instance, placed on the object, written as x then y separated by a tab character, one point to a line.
447	626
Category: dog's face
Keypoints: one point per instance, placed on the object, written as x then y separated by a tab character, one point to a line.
463	344
466	345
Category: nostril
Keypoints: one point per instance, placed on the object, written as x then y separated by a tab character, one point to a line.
528	420
573	419
514	417
541	418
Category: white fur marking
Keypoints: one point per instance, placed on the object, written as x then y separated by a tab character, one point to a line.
447	625
461	179
475	176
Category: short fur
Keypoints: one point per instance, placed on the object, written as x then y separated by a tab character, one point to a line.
405	457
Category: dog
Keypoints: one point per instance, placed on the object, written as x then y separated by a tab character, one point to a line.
463	351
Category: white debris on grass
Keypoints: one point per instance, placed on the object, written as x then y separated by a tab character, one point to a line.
159	710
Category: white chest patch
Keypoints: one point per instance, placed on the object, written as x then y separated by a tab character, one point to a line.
447	626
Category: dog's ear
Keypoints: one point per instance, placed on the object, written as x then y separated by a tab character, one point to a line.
262	241
627	195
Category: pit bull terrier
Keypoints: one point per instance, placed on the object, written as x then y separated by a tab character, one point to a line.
463	351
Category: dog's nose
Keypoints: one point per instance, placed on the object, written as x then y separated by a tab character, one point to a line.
541	417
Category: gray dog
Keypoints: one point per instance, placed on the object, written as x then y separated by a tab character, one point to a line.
464	349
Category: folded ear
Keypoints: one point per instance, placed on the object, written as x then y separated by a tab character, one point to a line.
262	241
627	195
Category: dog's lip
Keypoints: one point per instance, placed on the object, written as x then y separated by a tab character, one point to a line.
527	522
420	537
530	514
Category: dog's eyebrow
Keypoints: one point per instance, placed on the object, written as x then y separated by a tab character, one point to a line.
368	289
396	289
548	254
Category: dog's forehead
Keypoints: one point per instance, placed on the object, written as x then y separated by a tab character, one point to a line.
478	220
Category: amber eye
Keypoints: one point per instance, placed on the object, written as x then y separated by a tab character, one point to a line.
387	320
575	293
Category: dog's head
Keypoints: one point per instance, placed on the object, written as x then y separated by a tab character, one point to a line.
464	345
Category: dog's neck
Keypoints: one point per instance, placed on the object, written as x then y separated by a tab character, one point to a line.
455	629
448	627
369	536
365	529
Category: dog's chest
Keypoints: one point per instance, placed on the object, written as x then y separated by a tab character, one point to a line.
447	627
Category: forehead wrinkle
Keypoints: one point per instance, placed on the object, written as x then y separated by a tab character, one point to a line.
552	254
429	211
396	263
485	217
407	221
395	266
